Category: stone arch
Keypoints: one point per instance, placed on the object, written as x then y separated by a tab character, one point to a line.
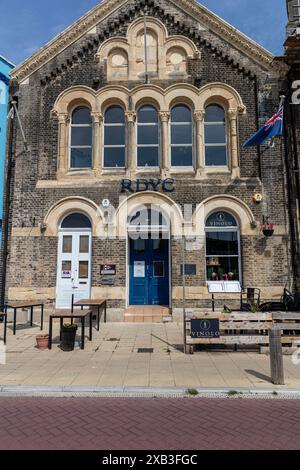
182	93
117	64
222	93
153	24
75	96
154	95
133	202
231	204
63	207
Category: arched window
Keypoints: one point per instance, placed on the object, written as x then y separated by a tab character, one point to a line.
215	136
148	138
181	136
114	138
222	247
81	145
76	220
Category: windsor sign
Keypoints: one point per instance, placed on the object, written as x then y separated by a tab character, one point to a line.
142	185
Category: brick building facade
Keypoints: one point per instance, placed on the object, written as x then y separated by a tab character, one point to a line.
292	128
110	138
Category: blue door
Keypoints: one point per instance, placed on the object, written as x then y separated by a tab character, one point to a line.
149	272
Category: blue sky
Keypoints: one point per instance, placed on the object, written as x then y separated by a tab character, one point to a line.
25	26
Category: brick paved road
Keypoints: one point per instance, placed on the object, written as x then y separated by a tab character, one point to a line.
148	424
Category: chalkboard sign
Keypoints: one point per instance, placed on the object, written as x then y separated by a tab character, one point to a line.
205	328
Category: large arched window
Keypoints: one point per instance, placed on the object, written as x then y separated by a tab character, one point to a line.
114	138
181	136
215	136
148	138
81	144
222	247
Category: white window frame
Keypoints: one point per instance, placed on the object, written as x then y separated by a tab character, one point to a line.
71	126
217	145
182	145
145	124
114	146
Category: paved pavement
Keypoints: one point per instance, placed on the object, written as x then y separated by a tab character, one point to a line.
112	360
148	424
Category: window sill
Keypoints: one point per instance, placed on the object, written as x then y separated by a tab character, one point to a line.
79	172
217	169
113	171
182	169
152	169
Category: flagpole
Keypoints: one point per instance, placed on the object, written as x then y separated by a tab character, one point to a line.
146	50
14	104
281	104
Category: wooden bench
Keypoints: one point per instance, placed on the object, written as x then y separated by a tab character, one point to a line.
243	328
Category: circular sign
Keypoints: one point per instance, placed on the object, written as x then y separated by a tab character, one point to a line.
105	203
205	325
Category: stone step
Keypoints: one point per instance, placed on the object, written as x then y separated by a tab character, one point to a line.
149	314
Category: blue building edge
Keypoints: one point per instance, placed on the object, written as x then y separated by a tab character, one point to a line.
5	68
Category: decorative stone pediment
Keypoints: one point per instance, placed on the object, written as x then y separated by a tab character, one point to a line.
166	55
87	25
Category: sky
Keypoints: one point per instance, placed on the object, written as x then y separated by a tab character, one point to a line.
25	26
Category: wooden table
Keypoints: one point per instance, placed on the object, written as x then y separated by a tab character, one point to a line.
66	313
4	317
26	304
99	303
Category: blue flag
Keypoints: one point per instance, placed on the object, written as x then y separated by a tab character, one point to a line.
272	128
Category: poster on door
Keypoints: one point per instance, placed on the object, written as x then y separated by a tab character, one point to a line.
139	269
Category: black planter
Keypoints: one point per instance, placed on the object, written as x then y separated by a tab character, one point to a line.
268	233
68	335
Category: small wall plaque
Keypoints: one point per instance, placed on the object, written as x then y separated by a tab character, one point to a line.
108	270
190	270
108	281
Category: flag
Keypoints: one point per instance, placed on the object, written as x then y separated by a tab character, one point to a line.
272	128
11	113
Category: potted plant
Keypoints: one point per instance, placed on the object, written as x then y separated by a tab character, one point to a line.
42	341
267	229
68	335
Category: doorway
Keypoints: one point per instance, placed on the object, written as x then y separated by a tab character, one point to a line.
74	260
149	258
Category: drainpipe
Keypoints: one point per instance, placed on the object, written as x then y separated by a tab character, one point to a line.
289	170
6	209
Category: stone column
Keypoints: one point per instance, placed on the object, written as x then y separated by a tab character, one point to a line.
63	145
200	157
232	115
131	141
165	144
97	142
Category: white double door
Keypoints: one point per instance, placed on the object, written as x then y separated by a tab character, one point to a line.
73	267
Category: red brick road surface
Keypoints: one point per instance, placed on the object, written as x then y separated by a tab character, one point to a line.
148	424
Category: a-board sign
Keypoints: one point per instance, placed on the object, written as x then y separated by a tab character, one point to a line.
205	328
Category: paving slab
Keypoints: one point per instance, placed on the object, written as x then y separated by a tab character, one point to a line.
118	363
